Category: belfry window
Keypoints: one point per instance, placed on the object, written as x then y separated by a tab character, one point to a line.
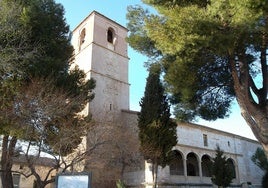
82	36
110	35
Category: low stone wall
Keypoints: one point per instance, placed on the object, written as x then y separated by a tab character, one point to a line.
191	185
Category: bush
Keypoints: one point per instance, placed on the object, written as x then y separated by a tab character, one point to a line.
265	180
120	184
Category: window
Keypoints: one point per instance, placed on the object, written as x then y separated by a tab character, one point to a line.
205	139
111	38
82	36
16	180
110	35
232	167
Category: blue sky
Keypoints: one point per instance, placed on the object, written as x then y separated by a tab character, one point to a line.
77	10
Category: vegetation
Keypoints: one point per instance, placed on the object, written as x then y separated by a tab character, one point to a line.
222	173
212	52
120	184
265	180
260	159
40	98
157	132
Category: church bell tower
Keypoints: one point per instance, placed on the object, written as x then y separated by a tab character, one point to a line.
100	49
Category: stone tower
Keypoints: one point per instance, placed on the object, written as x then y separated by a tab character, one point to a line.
101	51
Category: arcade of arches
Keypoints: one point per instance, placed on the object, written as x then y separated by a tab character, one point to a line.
193	165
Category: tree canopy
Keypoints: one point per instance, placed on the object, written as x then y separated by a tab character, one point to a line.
41	98
211	52
48	29
50	59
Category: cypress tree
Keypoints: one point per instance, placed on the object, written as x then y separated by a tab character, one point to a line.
222	173
157	132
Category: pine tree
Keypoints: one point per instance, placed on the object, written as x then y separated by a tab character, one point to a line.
213	51
222	174
157	132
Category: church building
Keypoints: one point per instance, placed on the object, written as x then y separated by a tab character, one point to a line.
101	51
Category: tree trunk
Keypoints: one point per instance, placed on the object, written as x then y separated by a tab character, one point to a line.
122	170
254	113
40	184
8	148
38	181
259	128
154	173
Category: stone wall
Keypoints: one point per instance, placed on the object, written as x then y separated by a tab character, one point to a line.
25	182
192	148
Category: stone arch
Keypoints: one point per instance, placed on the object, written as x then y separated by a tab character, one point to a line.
231	163
176	164
206	165
192	164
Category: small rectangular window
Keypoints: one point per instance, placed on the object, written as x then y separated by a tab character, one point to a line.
16	180
205	139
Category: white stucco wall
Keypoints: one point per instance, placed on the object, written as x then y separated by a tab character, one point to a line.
237	148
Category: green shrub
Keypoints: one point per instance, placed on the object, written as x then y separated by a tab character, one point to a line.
265	180
120	184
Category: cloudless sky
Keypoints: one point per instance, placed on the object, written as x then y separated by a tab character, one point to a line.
77	10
